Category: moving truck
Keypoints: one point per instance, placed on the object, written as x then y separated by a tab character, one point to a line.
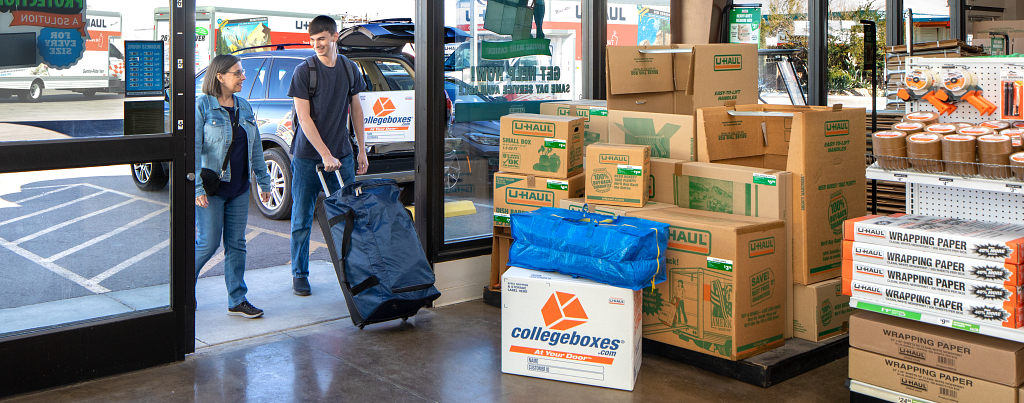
222	30
101	68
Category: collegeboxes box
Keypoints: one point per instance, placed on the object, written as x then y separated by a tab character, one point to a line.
821	310
988	358
593	112
661	185
822	147
930	262
515	193
569	329
925	382
724	295
617	174
739	190
668	135
707	75
935	284
614	211
990	241
550	146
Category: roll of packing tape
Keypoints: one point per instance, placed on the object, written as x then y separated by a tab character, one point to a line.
925	118
1018	124
961	125
919	80
993	153
995	144
958	80
1011	132
925	152
960	153
891	149
996	125
908	127
975	131
942	128
1017	165
1018	143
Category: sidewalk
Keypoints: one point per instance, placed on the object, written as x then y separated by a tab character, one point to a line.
270	289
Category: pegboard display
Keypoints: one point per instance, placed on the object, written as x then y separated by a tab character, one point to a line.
972	204
987	71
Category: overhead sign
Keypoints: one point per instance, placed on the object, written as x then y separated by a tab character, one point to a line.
60	27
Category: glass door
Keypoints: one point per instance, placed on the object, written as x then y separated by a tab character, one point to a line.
96	199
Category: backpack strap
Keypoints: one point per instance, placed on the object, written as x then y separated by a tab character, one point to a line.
313	65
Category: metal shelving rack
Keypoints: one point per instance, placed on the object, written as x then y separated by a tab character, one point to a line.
953	196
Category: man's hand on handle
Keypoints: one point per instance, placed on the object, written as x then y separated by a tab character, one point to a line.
331	164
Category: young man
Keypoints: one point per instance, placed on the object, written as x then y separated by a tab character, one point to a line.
326	140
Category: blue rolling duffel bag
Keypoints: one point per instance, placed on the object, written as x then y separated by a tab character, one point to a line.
376	253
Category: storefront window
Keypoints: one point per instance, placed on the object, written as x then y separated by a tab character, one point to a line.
849	77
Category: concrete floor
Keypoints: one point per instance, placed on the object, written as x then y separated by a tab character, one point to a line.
448	354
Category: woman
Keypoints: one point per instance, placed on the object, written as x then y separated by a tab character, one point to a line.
228	146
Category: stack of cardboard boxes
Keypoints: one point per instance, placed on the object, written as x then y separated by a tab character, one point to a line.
755	201
966	272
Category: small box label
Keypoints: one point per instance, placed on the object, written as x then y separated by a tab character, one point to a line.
631	170
719	264
767	180
558	185
554	143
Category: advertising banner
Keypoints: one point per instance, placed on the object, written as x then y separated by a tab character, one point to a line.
60	30
388	116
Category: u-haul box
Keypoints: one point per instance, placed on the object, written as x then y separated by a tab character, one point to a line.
573	330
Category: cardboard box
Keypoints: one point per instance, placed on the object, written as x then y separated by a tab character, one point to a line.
670	136
550	146
569	329
935	284
925	382
501	241
745	191
514	193
617	174
593	112
941	347
823	147
724	295
821	310
984	240
679	83
954	266
614	211
993	313
661	184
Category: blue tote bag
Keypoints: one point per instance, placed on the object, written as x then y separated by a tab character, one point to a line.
625	252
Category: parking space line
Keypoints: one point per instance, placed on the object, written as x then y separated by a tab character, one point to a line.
127	263
62	187
118	192
217	258
44	211
113	232
68	274
72	221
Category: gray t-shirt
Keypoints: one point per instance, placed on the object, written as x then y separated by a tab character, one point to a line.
334	90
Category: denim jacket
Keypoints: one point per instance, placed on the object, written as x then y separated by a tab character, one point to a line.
213	136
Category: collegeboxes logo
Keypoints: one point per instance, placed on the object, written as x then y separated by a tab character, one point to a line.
384	114
563	312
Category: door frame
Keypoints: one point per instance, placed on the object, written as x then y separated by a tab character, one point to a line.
74	352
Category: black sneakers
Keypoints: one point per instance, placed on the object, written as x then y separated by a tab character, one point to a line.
245	309
300	286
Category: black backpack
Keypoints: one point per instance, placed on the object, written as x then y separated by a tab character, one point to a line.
313	64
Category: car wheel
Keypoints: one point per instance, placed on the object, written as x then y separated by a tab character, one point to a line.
279	167
149	176
34	93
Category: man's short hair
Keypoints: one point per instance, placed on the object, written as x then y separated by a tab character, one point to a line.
323	23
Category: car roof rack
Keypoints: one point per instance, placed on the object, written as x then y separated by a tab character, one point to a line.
279	46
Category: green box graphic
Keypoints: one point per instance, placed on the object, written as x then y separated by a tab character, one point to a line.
711	194
641	131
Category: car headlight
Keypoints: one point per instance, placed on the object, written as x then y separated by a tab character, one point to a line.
485	139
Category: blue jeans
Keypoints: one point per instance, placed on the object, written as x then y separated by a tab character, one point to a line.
227	217
305	188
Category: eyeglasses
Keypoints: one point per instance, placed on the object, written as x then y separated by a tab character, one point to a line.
238	73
